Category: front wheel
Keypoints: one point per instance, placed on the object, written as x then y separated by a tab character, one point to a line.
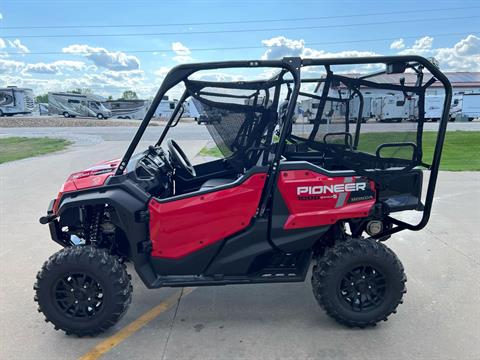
83	290
100	116
359	282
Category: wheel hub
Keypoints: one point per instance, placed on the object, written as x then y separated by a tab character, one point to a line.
79	295
363	288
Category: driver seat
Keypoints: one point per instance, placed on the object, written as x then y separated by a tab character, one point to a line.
212	183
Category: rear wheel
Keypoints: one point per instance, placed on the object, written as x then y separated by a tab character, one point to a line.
359	282
83	290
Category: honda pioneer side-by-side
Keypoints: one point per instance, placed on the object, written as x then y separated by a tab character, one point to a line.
280	197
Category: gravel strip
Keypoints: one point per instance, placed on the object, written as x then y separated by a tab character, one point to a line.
53	121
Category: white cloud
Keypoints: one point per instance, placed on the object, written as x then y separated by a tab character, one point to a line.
162	72
280	46
468	46
182	52
463	56
2	43
1	16
397	44
56	67
17	44
422	46
112	60
10	66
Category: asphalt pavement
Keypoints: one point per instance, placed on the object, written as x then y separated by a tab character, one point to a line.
440	318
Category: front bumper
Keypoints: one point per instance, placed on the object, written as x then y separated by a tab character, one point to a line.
53	225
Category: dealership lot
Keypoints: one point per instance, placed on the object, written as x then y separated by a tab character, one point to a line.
440	318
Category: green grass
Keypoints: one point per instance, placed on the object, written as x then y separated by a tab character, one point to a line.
461	150
211	151
16	148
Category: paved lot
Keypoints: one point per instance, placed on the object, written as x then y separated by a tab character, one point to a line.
440	318
192	131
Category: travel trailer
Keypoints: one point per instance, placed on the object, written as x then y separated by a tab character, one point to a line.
165	108
354	108
434	106
15	101
332	110
467	105
72	105
128	109
392	107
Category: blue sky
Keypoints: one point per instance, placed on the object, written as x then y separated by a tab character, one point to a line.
110	64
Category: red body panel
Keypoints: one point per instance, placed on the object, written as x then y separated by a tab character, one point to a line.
311	202
91	177
181	227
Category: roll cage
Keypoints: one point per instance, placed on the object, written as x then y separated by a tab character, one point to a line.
290	76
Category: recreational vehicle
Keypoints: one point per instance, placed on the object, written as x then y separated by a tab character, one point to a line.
72	105
354	108
128	109
332	110
467	105
165	108
434	106
15	101
392	107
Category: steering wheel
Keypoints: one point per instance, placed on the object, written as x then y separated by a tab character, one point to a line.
179	158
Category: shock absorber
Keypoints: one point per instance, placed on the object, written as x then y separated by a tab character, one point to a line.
94	226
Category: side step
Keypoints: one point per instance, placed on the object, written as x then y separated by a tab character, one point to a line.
281	274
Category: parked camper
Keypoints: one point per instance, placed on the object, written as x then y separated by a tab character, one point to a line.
15	101
128	109
165	108
434	107
470	106
71	105
354	108
392	108
332	110
43	109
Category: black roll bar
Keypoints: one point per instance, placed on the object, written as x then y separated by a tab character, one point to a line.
293	65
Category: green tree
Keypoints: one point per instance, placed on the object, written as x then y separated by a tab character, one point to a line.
41	98
129	95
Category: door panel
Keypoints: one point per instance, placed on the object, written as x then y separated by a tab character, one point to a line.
181	227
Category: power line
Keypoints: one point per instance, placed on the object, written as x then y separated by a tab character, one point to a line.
241	47
241	31
232	21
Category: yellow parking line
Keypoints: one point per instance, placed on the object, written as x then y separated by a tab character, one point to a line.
109	343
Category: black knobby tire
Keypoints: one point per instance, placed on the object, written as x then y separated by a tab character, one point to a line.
338	296
97	281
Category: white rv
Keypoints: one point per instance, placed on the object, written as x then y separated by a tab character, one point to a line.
165	108
467	105
354	107
128	109
72	105
392	108
433	107
333	110
15	101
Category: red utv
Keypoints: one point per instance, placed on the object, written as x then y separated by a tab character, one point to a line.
282	196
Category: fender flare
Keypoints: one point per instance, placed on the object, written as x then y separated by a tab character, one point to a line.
127	208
